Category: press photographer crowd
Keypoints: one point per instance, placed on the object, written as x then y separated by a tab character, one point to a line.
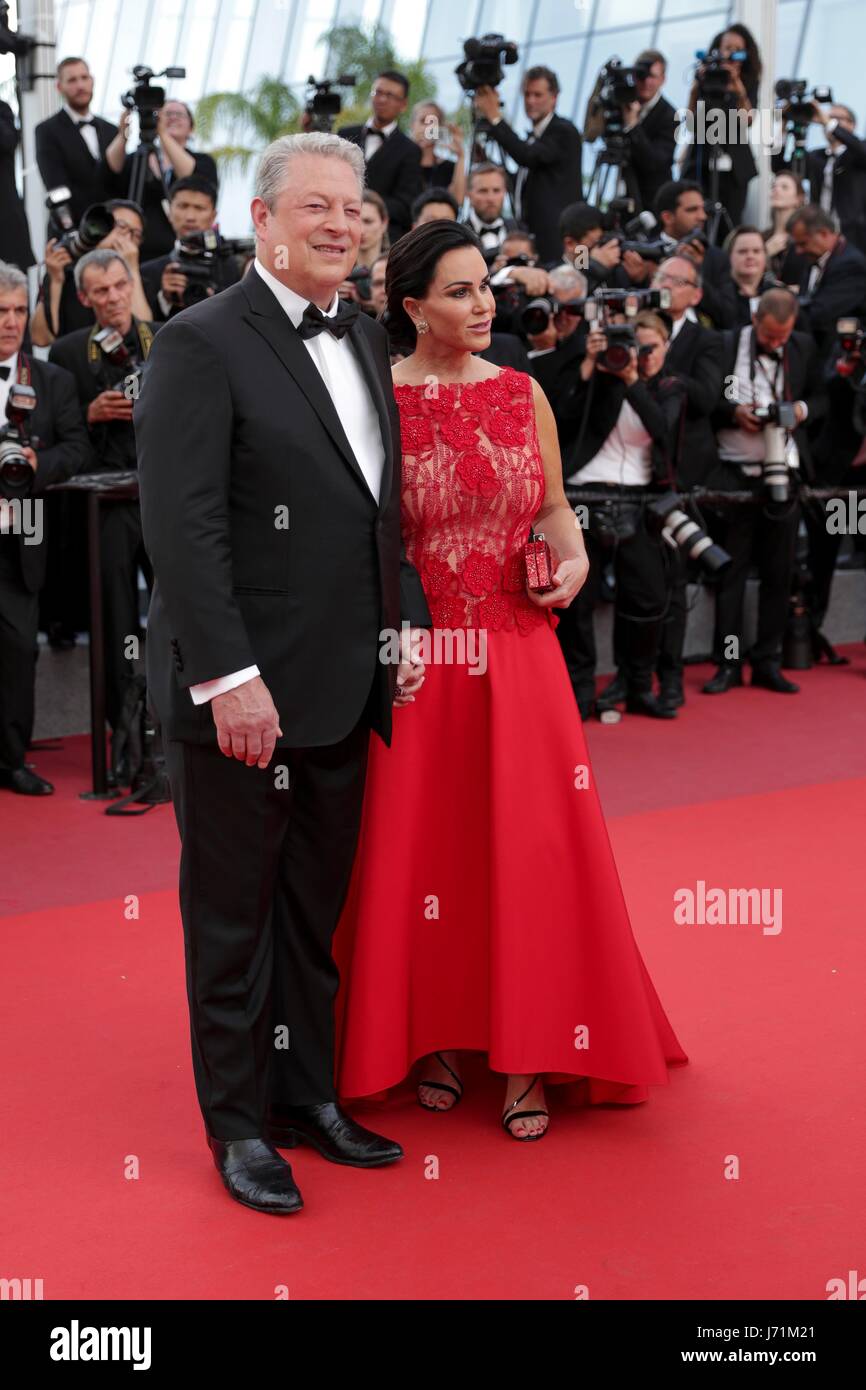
707	375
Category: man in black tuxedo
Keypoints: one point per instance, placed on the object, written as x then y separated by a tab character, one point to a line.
71	145
15	248
393	160
60	449
764	363
191	210
837	174
834	283
486	188
549	175
682	216
269	454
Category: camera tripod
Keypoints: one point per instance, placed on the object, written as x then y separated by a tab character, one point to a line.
607	180
479	133
140	169
717	213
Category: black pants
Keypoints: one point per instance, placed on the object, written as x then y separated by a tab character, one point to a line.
641	596
19	621
768	535
824	547
122	554
673	634
263	877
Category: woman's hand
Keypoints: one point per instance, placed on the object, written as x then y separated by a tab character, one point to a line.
410	672
57	258
569	578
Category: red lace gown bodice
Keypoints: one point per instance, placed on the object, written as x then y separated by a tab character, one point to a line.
473	480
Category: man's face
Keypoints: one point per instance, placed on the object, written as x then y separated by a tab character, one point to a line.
190	212
538	99
840	114
648	86
377	285
771	334
677	276
75	86
107	290
13	321
651	362
689	213
813	244
310	238
486	196
433	212
388	100
748	256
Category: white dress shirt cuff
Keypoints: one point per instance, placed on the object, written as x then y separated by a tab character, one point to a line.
206	690
805	410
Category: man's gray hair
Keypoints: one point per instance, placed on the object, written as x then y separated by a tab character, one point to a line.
565	279
101	258
11	278
272	173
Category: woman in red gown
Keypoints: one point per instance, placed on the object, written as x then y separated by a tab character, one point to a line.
485	911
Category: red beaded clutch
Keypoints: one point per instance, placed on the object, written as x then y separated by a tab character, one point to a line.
539	564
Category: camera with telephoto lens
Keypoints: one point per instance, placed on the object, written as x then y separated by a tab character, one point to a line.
620	337
792	93
483	59
851	337
122	367
197	260
536	316
323	104
779	413
96	222
685	534
147	100
713	78
16	475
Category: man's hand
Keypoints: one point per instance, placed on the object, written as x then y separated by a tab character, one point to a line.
533	279
695	250
30	455
747	420
348	290
119	240
173	283
636	268
487	103
818	115
109	405
607	255
247	723
410	672
56	260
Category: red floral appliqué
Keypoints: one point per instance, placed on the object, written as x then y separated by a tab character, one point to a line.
480	573
477	474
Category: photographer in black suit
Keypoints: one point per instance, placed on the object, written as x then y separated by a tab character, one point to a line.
834	280
191	211
649	130
393	160
549	174
270	462
766	365
105	400
15	248
837	174
71	145
57	449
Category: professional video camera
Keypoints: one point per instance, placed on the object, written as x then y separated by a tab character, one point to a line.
482	64
618	89
96	222
682	532
323	104
798	113
713	78
16	475
147	100
621	340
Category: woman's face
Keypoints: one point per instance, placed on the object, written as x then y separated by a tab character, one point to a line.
177	121
748	257
731	43
651	362
459	304
425	126
372	226
785	193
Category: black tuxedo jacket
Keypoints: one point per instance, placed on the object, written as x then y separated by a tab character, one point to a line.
803	381
849	182
234	425
695	356
651	146
554	179
840	293
394	172
15	246
63	158
63	450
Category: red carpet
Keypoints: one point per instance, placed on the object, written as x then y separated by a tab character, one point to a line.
752	790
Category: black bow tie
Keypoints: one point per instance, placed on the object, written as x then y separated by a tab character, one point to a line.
371	130
5	373
89	121
489	227
314	320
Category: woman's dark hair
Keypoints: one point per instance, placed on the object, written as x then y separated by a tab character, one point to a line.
412	263
751	69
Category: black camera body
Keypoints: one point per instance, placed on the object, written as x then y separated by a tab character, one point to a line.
621	339
535	317
147	99
792	92
197	259
851	335
120	366
483	60
779	413
713	78
323	104
16	475
96	222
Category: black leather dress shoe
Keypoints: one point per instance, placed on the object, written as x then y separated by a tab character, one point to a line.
256	1175
333	1133
24	781
725	678
644	702
613	693
671	693
769	677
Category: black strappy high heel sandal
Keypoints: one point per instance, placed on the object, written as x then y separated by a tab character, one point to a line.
442	1086
511	1115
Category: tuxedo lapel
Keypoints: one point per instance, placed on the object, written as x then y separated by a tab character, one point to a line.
268	319
364	354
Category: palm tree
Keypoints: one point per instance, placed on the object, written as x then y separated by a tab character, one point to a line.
363	53
259	116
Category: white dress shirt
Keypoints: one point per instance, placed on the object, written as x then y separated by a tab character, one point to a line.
88	132
738	445
625	457
345	383
376	138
